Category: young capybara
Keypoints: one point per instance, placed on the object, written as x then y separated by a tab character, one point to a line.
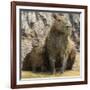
35	60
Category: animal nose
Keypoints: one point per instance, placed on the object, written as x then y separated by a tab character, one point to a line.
68	26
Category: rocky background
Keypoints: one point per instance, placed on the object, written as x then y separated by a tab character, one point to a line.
35	26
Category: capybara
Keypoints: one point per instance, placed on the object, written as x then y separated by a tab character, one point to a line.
35	60
59	44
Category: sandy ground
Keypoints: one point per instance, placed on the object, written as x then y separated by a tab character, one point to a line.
29	74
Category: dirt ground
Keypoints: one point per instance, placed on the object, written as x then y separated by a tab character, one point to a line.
29	74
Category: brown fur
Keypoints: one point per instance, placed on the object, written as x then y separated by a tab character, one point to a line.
35	60
26	63
71	59
59	45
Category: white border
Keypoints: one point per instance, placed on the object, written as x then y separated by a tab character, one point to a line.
50	80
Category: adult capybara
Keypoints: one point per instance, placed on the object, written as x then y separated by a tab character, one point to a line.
59	44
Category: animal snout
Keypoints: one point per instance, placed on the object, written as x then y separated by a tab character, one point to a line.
68	27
